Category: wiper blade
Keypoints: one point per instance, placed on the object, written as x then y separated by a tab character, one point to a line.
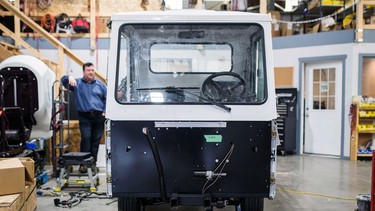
173	89
220	105
167	87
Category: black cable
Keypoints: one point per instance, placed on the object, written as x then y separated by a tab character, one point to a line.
158	162
69	203
76	198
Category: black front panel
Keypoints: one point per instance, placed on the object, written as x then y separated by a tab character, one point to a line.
185	150
21	90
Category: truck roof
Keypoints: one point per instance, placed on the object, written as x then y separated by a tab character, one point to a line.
190	15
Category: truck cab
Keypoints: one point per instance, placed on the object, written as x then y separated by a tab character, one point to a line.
191	110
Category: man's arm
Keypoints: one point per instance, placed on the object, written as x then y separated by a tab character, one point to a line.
104	98
68	82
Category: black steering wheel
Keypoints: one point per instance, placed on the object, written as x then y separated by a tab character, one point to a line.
224	87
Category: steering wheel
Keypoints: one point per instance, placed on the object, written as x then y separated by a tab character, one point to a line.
224	87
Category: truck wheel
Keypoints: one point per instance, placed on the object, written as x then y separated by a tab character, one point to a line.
129	204
250	204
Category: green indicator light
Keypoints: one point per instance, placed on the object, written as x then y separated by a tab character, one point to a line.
213	138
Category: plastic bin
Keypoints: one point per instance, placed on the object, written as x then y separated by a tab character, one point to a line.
363	202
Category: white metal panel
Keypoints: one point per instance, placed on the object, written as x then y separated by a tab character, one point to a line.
45	78
263	112
207	112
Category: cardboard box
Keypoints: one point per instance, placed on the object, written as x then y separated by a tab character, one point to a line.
15	174
286	29
25	201
12	174
275	15
315	28
30	169
103	28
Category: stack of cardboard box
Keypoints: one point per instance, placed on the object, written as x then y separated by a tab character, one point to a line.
17	184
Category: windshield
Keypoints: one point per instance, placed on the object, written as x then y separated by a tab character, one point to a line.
191	64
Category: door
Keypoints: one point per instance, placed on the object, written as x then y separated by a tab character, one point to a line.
323	108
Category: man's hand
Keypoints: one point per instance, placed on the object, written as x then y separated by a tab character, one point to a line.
72	81
120	94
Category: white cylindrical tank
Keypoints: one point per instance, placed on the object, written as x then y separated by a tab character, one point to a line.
45	78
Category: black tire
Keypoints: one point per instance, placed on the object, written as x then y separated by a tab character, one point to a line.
251	204
129	204
209	209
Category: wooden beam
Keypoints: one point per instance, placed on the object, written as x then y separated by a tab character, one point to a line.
59	73
359	22
39	30
8	45
368	2
263	7
77	35
4	53
92	24
21	41
26	7
368	26
5	13
17	23
44	33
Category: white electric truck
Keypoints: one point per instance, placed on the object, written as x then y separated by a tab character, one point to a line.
191	108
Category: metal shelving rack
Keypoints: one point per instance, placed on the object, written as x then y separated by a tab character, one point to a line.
363	130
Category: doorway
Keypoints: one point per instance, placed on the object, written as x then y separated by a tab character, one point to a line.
323	108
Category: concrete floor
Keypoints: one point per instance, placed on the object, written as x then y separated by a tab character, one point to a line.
311	183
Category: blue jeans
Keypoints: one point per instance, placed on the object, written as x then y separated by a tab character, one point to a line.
91	126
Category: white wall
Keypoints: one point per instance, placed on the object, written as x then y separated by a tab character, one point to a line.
290	58
97	57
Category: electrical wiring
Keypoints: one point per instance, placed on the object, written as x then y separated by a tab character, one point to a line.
116	200
226	157
3	113
51	193
75	198
222	163
315	194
